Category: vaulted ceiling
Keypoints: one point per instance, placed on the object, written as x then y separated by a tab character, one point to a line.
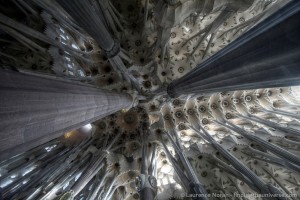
161	41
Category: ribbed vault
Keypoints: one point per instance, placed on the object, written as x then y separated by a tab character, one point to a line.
149	99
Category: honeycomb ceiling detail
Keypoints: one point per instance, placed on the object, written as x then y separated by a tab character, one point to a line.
161	41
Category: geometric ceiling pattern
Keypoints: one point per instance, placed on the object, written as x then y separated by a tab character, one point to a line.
224	145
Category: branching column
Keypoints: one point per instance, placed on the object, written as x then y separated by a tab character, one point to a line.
266	56
146	182
89	19
34	110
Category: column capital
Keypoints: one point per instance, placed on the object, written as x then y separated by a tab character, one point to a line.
146	181
171	2
171	91
67	195
114	51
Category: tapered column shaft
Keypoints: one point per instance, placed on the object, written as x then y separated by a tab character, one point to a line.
148	190
257	181
269	123
89	19
34	109
184	180
283	113
195	184
94	167
266	56
284	154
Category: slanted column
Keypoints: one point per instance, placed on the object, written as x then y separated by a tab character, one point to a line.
195	185
146	183
89	19
281	152
268	55
241	167
34	109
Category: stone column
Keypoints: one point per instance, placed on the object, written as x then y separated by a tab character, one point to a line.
268	55
146	184
265	188
35	109
89	18
277	150
195	186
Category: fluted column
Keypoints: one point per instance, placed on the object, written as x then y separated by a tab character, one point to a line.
94	167
35	109
266	56
269	123
283	113
147	184
182	177
195	185
89	18
281	152
257	181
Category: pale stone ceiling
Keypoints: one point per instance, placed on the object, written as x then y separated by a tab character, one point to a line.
160	43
